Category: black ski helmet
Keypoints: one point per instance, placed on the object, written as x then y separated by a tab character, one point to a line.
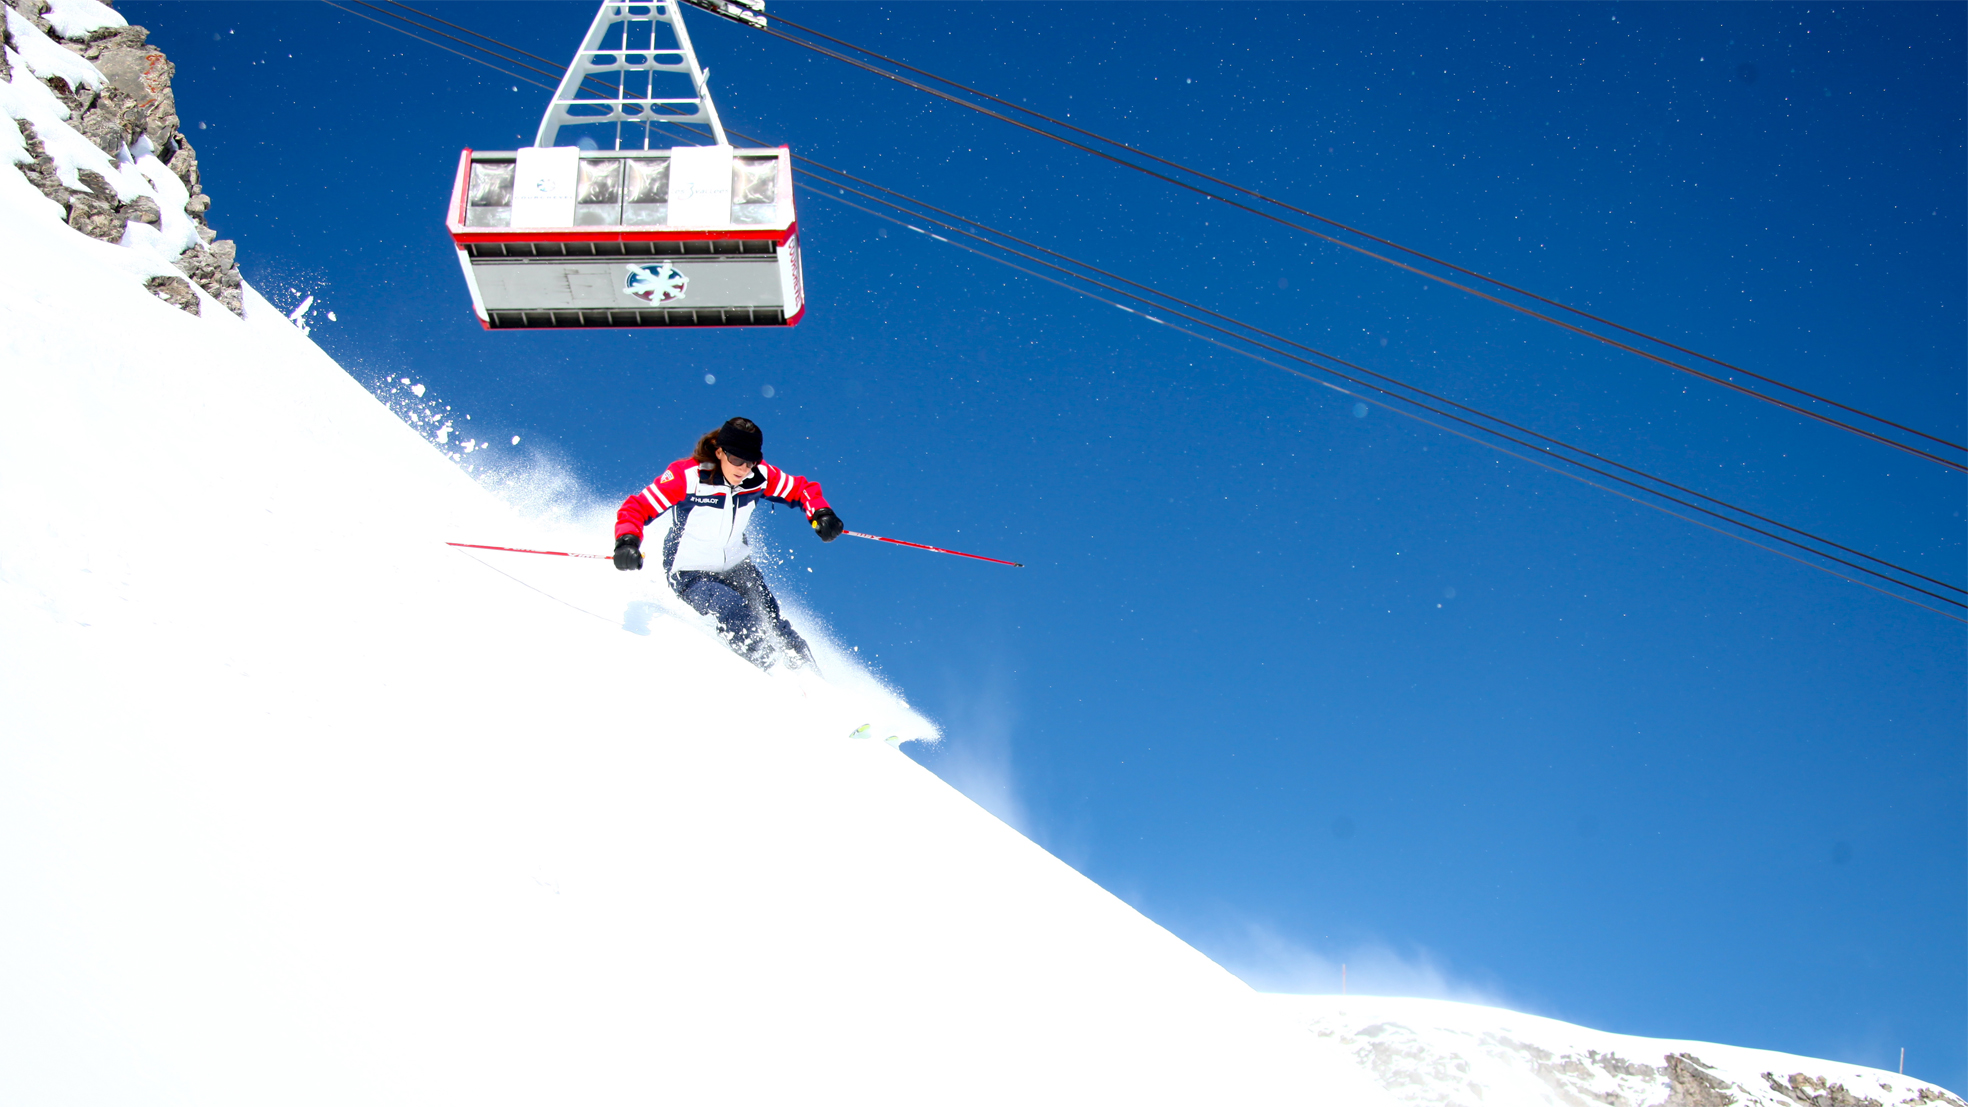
742	439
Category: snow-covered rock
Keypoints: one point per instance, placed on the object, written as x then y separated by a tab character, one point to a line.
96	133
46	60
77	19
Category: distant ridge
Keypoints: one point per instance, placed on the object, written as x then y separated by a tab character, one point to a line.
1434	1053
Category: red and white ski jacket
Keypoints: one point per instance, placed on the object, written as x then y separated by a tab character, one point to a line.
708	530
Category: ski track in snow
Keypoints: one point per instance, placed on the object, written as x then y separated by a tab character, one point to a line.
300	805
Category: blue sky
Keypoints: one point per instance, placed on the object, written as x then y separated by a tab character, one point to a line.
1305	687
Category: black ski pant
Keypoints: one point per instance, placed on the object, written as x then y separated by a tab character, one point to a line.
745	610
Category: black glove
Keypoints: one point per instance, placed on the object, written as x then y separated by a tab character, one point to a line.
827	525
628	552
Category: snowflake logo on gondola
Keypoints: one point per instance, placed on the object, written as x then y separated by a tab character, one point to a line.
656	284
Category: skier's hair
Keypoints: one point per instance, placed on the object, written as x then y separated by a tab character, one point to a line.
707	447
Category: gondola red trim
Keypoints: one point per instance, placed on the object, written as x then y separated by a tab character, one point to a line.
458	190
484	324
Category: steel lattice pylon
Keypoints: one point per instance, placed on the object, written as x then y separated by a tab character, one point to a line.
619	69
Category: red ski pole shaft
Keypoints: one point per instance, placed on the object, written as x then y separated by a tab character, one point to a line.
934	549
548	553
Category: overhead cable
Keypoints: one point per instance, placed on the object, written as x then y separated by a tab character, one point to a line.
556	73
1542	456
1301	211
1531	459
1574	328
428	42
1389	394
1272	336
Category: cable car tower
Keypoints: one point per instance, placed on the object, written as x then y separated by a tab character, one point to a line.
595	226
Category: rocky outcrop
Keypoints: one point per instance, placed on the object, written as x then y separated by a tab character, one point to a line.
136	110
1816	1091
1431	1053
1693	1084
216	270
175	291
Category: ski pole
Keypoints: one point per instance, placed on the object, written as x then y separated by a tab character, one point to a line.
933	549
549	553
855	533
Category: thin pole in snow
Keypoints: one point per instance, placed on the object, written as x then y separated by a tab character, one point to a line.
1902	1060
934	549
1342	979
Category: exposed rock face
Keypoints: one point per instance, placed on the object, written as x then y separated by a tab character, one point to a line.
215	271
175	291
137	106
1692	1084
1819	1092
139	92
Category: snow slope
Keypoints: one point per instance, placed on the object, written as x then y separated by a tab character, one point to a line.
300	805
1434	1053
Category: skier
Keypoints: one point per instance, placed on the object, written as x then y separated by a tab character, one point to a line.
706	554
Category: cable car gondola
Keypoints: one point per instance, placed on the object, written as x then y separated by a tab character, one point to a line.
554	236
